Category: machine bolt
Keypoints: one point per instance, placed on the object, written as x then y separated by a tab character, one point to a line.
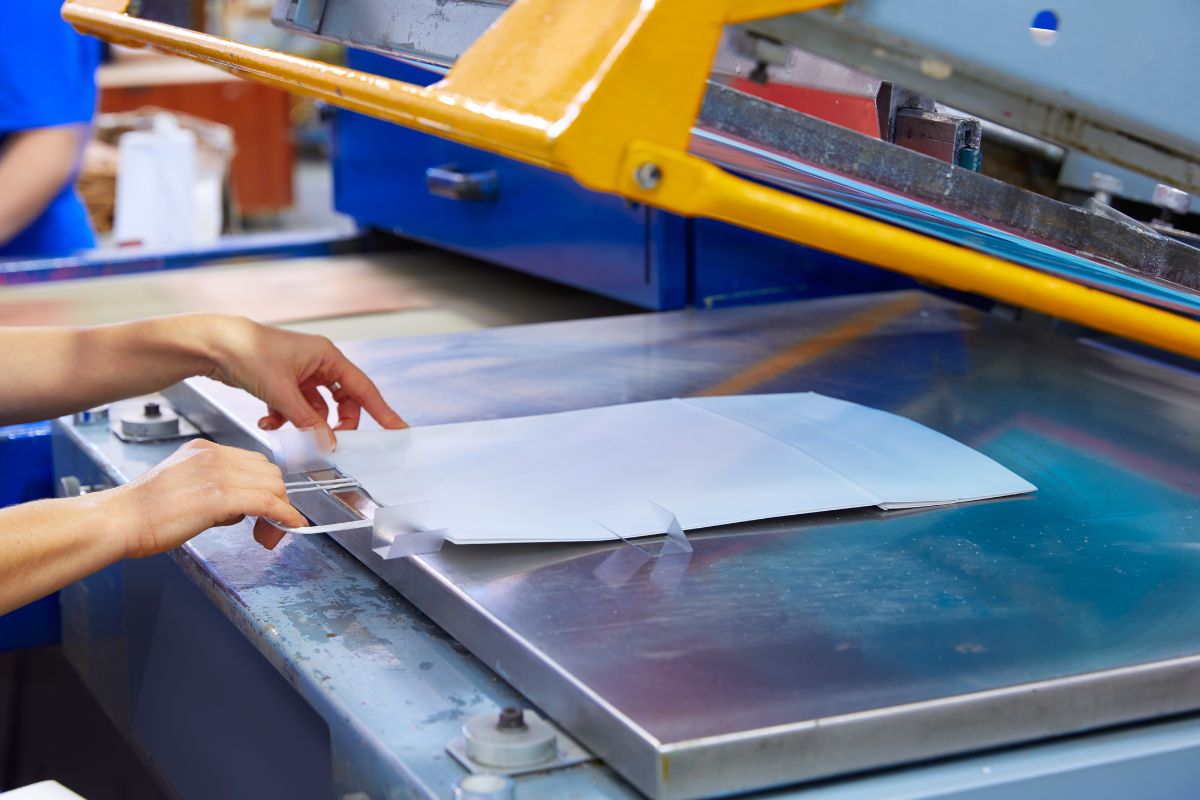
510	739
1104	186
648	175
511	719
152	410
1172	201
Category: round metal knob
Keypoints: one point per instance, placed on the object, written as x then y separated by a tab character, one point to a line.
153	422
485	787
510	740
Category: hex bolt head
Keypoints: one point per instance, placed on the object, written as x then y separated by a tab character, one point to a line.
648	175
511	719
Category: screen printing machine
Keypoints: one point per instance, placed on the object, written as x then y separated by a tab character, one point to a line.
1040	646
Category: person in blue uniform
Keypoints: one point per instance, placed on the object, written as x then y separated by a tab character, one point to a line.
47	99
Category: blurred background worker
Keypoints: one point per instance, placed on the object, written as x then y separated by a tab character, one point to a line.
47	99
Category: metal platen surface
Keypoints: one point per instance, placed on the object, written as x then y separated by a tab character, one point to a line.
801	648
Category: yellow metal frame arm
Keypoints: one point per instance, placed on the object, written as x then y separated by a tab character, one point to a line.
607	91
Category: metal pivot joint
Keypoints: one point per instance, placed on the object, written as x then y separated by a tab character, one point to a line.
648	176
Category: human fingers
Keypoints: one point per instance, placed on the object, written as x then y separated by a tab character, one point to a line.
315	399
358	387
349	410
272	421
256	479
230	454
267	534
291	402
262	503
236	459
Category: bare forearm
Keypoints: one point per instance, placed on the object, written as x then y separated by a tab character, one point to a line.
49	544
34	167
54	371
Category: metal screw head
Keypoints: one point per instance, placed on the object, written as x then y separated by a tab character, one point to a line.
511	719
648	175
1171	199
1103	182
152	410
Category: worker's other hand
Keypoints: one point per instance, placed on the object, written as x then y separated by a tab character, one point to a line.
284	369
200	486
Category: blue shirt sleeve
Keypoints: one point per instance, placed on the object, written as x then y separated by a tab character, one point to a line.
47	70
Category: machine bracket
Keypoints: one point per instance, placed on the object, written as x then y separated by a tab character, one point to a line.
541	741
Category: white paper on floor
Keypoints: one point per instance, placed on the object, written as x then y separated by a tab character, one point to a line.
587	475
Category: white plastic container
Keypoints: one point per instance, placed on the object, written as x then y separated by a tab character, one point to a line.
166	198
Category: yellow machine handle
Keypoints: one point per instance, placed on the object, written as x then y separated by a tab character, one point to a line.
607	92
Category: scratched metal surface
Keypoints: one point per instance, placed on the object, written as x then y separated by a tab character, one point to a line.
807	647
392	686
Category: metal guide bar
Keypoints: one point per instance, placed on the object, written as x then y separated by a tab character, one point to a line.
972	194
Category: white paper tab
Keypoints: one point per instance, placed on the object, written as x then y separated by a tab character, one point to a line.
298	450
404	530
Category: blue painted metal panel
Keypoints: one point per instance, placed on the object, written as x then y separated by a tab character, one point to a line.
26	474
35	625
546	224
1128	58
259	247
732	266
540	222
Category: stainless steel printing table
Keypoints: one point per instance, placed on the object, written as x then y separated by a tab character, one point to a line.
811	647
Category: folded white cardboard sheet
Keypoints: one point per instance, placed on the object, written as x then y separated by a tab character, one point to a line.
592	474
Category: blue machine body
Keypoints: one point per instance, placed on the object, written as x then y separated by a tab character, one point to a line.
528	218
26	473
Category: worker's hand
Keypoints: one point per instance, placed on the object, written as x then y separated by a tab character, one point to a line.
200	486
284	370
